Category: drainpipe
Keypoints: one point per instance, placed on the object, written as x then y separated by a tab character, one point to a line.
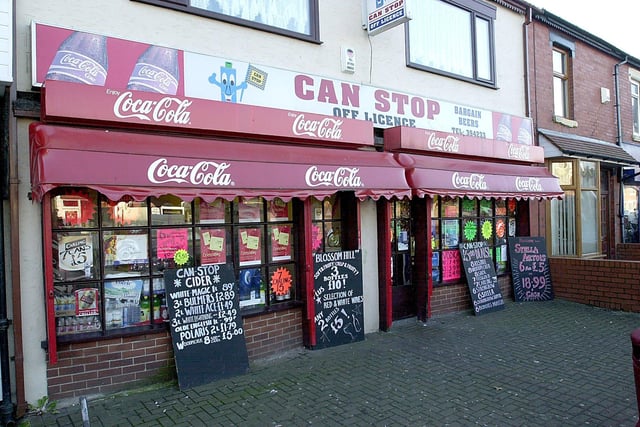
616	77
14	239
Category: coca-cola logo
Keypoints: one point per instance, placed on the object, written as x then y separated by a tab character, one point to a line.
343	177
519	152
91	69
448	144
528	184
472	181
163	78
167	110
202	173
327	128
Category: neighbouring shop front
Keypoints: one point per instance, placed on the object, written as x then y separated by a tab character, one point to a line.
465	190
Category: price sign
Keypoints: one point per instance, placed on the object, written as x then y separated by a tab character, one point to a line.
206	326
338	298
530	269
481	277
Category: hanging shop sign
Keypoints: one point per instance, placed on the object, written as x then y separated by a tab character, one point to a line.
206	326
530	269
481	277
338	296
383	15
116	65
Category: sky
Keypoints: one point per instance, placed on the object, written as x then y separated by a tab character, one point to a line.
611	20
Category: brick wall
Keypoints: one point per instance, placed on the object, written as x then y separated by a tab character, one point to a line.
628	251
106	366
606	283
456	297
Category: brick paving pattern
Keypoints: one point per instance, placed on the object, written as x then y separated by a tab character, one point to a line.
552	363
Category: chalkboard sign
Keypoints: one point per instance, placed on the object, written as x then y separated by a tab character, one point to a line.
481	277
339	316
530	269
206	326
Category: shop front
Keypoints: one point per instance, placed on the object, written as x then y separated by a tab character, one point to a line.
121	204
466	189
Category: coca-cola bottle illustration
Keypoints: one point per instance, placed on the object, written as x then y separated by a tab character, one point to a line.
156	71
524	133
504	129
81	58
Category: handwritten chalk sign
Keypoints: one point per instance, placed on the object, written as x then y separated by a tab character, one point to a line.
530	269
481	277
337	278
206	326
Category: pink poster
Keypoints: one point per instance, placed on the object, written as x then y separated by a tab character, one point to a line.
249	242
169	240
451	265
213	249
281	243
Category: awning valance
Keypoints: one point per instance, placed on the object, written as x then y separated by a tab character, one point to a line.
444	176
139	165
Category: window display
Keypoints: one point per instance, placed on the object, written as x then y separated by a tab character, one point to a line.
457	220
108	262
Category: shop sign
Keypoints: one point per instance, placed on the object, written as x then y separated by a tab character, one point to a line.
383	15
198	76
482	279
470	144
530	269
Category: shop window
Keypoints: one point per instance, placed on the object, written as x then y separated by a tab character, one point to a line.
108	263
455	220
575	218
453	38
327	224
294	18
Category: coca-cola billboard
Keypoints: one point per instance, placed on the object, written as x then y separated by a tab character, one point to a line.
65	101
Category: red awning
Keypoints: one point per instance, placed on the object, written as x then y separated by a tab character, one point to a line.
139	165
444	176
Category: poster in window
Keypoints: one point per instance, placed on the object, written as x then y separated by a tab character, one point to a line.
87	302
122	303
450	231
213	213
281	243
451	265
250	209
278	210
169	240
485	208
249	242
75	252
124	249
450	207
213	249
469	207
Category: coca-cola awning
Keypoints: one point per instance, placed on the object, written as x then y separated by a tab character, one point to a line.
139	165
445	176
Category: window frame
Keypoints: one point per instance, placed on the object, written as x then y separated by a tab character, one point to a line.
184	6
635	105
565	79
507	214
477	10
100	225
576	187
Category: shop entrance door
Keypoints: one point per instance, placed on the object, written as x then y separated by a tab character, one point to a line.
403	286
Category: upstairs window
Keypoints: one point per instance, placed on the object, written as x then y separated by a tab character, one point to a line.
454	38
294	18
561	107
635	108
